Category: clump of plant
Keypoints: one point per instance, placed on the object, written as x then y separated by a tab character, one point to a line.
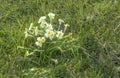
48	37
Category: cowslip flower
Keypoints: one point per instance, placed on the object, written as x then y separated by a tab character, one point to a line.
51	15
39	41
49	27
43	39
42	19
66	25
49	34
59	34
60	21
43	24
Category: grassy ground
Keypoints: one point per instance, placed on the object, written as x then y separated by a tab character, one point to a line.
95	52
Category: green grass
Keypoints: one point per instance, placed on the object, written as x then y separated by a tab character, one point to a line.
95	52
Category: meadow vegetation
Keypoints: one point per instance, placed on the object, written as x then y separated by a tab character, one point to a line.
89	47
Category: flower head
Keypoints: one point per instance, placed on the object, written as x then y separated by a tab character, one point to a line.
43	24
49	27
39	41
49	34
59	34
60	21
43	39
42	19
67	25
51	15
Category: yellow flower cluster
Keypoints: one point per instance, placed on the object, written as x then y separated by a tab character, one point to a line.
45	30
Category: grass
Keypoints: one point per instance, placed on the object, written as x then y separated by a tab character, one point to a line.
95	52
